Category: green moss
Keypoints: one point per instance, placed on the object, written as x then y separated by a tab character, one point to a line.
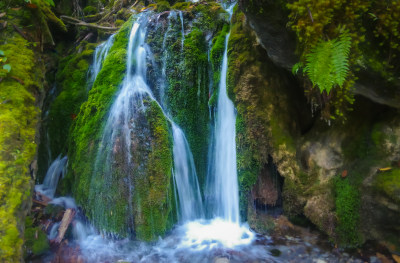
347	210
389	184
119	22
216	56
18	118
36	242
181	5
163	6
71	80
90	10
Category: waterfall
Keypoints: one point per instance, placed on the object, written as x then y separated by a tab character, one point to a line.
116	138
116	143
99	56
56	170
224	183
190	203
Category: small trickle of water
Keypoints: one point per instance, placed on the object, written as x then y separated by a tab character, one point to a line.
56	170
182	30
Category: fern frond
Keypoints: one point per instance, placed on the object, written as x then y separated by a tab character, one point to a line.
340	56
319	67
327	63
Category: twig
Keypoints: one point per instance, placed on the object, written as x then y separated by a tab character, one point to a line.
19	31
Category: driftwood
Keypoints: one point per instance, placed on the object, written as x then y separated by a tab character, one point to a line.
65	222
78	22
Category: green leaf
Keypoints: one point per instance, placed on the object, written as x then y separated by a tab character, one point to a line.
1	52
327	63
296	67
7	67
50	2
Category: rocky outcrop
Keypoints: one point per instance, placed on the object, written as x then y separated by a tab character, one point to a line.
269	21
329	170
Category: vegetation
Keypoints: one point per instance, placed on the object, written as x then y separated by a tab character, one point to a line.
36	242
370	25
18	119
347	205
327	63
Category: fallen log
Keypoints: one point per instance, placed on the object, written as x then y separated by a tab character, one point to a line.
77	22
65	222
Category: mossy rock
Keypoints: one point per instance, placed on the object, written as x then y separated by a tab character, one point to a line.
36	242
388	183
18	119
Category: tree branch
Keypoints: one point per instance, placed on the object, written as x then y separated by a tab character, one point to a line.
78	22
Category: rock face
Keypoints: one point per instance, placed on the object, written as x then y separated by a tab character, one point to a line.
330	172
269	21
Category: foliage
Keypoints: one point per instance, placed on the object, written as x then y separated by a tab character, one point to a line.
373	29
347	210
327	63
5	68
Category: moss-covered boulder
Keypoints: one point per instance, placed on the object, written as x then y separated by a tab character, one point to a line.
121	196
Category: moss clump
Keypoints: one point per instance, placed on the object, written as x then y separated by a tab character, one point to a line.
163	6
36	242
347	210
90	10
389	184
18	118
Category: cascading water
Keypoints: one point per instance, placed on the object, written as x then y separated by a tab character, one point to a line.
56	170
225	181
190	202
99	56
116	141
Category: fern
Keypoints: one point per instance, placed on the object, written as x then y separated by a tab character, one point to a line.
340	56
327	64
